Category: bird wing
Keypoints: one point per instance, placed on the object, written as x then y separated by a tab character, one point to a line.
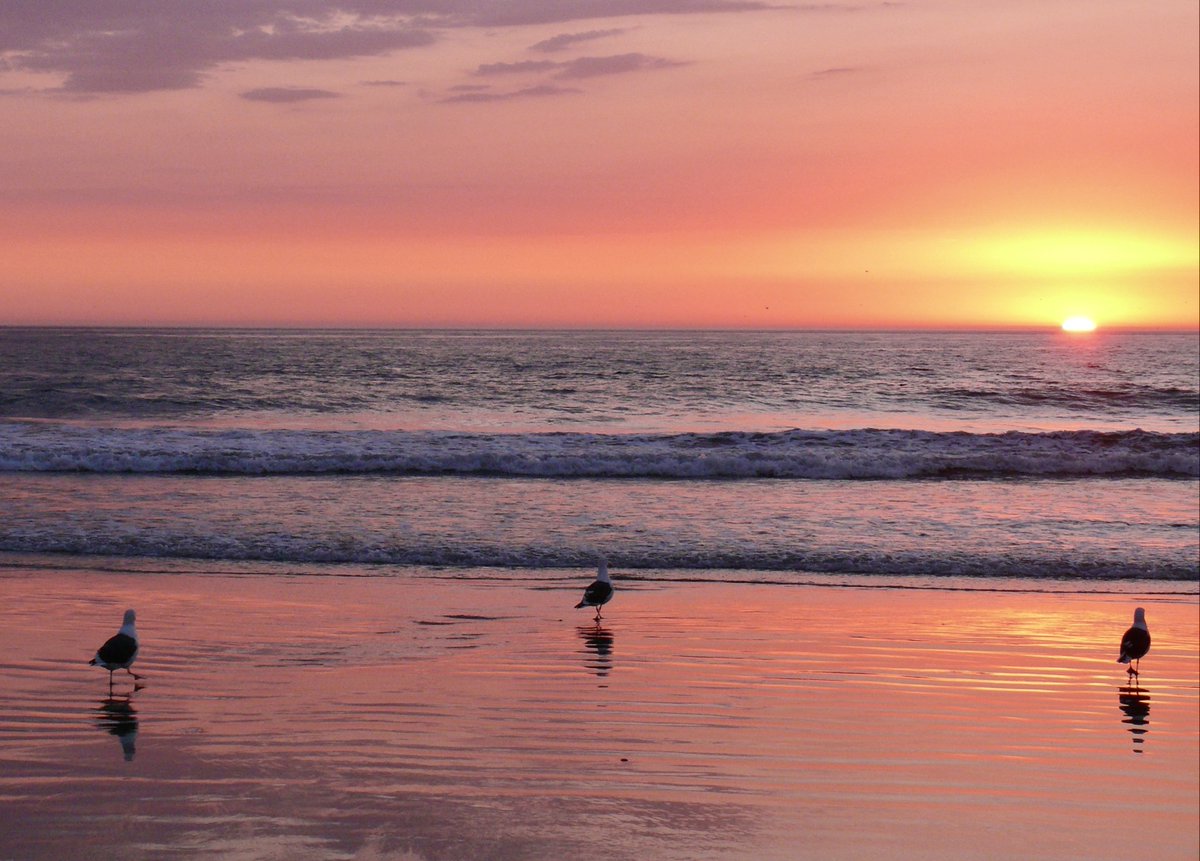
1134	644
118	649
598	592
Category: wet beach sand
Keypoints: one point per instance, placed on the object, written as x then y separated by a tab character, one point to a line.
295	715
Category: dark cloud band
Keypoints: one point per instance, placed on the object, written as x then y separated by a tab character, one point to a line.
130	46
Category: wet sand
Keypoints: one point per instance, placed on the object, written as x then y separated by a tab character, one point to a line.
314	717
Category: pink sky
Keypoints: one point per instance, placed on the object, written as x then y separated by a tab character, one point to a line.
620	163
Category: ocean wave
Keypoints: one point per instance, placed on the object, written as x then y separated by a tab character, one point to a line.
1130	398
795	454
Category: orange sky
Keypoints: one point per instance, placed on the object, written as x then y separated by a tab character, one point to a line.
600	163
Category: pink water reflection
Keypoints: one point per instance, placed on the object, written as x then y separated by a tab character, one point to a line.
465	719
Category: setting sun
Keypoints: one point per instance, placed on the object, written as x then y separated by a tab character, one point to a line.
1078	324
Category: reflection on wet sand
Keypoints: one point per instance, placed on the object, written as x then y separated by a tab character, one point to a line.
117	716
1135	703
599	642
299	716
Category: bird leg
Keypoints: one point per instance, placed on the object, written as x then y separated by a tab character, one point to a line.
132	673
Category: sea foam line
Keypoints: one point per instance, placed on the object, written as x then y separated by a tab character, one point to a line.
795	454
706	562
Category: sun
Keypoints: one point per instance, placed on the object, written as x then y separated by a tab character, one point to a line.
1078	324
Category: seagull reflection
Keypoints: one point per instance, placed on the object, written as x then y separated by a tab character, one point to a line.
117	716
1135	703
600	641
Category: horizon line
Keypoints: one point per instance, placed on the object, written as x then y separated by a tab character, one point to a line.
330	327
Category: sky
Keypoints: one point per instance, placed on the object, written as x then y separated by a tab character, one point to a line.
600	163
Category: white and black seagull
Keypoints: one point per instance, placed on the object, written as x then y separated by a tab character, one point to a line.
600	592
1136	642
120	650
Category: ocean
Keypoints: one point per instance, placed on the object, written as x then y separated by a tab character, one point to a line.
776	457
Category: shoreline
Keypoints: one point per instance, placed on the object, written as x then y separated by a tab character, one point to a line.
16	561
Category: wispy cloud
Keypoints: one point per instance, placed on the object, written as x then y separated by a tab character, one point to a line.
516	68
569	40
618	64
835	72
135	46
500	13
479	96
569	70
119	47
582	67
285	95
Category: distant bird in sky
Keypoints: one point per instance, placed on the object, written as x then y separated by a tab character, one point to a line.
1136	642
600	592
120	650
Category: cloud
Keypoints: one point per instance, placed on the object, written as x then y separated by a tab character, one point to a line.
582	67
384	83
577	69
618	64
478	96
286	95
567	40
507	13
835	72
136	46
515	68
161	53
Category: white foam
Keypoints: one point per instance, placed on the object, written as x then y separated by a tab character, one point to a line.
853	454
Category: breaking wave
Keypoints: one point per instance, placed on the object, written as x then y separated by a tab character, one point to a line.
795	454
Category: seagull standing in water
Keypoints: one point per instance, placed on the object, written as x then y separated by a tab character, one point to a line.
600	592
120	650
1136	642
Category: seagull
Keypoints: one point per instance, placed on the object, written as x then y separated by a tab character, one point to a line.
600	592
1136	641
120	650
